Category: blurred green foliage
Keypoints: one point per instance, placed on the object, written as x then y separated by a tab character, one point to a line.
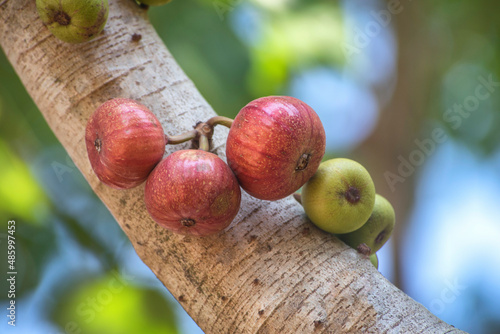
465	43
20	194
101	305
207	50
234	59
293	41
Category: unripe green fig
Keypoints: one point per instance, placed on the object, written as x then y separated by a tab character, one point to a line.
339	197
374	260
377	229
74	21
154	2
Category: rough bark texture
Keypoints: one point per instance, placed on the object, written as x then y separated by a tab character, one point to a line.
271	271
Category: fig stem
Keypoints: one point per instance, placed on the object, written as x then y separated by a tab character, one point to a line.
298	197
204	143
204	129
220	120
182	138
364	249
203	132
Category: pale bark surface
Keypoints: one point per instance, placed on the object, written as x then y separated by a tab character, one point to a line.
271	271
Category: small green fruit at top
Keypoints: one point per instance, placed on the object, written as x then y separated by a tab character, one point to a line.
339	197
374	260
74	21
377	229
154	2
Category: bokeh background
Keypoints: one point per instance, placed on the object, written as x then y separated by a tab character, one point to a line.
410	89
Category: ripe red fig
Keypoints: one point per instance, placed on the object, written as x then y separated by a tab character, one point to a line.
192	192
125	141
274	146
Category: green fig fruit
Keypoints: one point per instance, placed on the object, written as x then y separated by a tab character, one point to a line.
154	2
74	21
339	197
377	229
374	260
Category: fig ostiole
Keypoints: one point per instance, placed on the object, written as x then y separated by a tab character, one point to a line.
377	229
74	21
275	144
125	141
339	197
192	192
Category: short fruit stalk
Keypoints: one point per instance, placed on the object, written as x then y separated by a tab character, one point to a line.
74	21
125	141
201	135
339	198
274	146
193	192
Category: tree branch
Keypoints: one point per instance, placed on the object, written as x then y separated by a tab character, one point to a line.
271	271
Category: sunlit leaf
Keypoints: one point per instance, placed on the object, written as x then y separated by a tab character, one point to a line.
291	41
20	195
113	305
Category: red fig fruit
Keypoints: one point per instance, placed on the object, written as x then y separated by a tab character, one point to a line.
192	192
274	146
125	141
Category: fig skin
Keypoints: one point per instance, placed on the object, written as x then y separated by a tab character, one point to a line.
125	141
377	229
192	192
74	21
374	260
339	198
154	2
274	146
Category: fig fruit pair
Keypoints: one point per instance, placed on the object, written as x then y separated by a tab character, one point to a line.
340	198
190	191
275	144
377	229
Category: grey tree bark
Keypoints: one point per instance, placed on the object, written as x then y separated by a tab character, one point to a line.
271	271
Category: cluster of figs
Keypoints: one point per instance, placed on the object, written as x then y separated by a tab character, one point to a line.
275	147
77	21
